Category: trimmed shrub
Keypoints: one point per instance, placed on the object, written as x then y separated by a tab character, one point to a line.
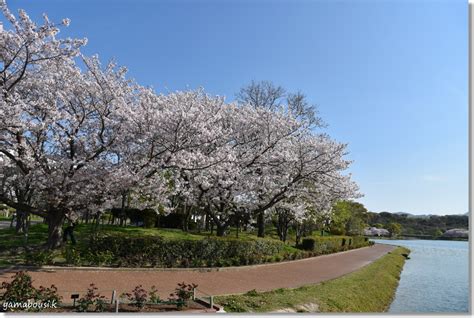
308	244
156	251
330	244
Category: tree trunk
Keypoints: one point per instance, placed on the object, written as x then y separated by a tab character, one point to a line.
237	228
96	224
122	211
21	225
20	221
299	233
186	217
283	223
261	224
87	217
27	227
55	222
220	230
207	222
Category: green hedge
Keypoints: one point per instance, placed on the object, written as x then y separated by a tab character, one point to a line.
332	244
155	251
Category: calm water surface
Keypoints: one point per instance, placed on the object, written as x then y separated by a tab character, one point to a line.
434	279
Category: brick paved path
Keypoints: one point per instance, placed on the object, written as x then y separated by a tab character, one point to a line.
224	281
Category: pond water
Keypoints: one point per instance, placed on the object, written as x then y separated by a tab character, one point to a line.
434	279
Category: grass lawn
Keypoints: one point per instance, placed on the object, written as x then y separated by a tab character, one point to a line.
370	289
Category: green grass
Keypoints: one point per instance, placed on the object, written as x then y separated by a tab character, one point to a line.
38	234
370	289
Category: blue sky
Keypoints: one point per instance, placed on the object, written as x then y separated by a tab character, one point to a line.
389	77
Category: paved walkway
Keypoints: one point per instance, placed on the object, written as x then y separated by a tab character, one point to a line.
227	281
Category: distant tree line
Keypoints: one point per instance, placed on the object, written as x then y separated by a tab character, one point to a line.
433	225
351	218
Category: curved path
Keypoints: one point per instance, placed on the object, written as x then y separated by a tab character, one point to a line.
224	281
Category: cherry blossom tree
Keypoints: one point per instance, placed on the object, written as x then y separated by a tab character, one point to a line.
61	122
266	95
77	136
22	50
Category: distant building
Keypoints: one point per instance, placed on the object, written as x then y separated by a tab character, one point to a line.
456	233
373	231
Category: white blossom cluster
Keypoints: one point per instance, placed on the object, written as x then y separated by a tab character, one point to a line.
75	135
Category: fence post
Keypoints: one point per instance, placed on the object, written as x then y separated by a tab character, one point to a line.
114	293
212	301
117	305
194	293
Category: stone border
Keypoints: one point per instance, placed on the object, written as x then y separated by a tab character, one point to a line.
48	268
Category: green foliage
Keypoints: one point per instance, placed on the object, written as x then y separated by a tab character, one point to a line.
437	233
50	294
39	258
251	293
394	228
92	301
149	218
135	246
348	218
331	244
157	251
80	256
98	258
21	290
137	297
420	225
72	255
183	292
154	297
308	244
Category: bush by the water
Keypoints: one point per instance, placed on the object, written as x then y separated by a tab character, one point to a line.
332	244
162	252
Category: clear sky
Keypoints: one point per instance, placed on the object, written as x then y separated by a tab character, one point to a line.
389	77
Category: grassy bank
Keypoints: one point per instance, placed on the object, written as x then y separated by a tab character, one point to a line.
370	289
